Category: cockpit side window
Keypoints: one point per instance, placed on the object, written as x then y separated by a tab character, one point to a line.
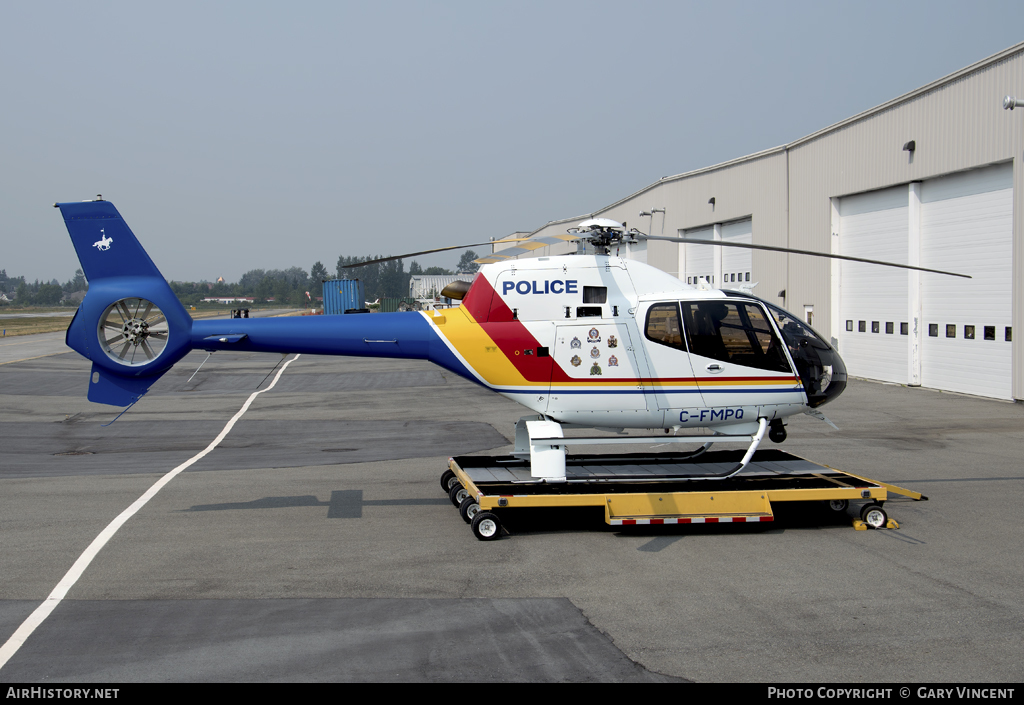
735	332
663	325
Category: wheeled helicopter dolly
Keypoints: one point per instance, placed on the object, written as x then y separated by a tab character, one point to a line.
664	489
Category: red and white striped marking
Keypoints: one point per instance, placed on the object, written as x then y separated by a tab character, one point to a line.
690	520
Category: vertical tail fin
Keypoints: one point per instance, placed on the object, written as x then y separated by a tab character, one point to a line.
130	324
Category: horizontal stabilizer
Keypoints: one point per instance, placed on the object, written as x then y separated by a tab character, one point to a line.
117	390
226	338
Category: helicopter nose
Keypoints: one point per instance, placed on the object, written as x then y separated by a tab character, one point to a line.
833	382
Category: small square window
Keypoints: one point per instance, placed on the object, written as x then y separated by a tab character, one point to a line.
904	329
874	327
969	332
1009	334
748	276
933	330
950	330
889	328
689	280
849	325
990	332
862	326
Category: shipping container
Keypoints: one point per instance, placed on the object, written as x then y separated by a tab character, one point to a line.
342	295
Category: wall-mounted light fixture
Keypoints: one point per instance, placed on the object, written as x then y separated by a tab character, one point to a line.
712	202
782	294
910	146
650	214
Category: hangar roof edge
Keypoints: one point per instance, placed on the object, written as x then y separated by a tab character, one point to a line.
977	66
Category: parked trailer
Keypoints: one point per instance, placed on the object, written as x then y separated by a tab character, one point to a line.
663	488
341	295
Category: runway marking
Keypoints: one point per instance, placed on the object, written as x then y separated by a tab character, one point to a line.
20	342
25	359
71	577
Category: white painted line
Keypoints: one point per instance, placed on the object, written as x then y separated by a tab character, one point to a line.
20	342
68	581
25	359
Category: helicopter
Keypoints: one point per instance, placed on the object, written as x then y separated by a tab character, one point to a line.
582	341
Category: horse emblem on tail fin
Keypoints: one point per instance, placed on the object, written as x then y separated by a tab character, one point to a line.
103	244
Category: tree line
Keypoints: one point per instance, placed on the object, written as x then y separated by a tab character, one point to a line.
282	286
290	286
18	291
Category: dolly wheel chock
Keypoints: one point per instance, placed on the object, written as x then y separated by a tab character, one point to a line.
872	516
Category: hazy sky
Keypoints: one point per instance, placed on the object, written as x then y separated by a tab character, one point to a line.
238	135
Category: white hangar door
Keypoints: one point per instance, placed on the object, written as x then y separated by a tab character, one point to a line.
736	261
700	259
873	302
967	227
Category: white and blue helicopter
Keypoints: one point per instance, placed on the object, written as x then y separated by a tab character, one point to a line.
583	340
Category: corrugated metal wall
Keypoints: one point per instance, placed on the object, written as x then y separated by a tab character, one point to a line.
957	123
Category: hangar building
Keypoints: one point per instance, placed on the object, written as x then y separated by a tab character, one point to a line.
934	177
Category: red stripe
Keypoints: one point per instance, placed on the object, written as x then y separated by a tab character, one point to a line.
657	521
628	522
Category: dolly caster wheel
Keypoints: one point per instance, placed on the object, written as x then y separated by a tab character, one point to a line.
838	505
469	509
448	479
874	516
457	494
486	526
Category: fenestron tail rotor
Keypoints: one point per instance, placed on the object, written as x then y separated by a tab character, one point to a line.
133	332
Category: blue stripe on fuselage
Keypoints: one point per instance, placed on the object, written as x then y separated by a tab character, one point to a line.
391	335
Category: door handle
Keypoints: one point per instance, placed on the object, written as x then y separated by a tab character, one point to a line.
714	367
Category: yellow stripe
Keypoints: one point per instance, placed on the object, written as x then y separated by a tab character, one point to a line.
479	351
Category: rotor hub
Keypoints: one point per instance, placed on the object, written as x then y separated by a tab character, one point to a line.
135	331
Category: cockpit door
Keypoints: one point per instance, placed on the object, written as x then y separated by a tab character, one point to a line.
672	382
737	356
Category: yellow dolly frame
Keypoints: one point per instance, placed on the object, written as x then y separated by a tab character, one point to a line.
664	488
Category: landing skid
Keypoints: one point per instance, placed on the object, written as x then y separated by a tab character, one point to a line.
542	442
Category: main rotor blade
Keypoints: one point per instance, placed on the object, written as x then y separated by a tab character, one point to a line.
788	250
427	252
